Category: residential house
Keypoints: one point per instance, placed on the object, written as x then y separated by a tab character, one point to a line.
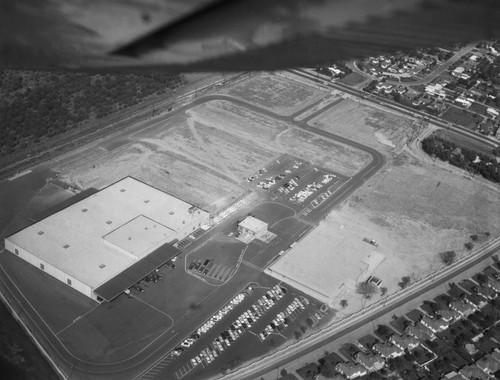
496	354
449	315
488	365
351	370
493	112
435	325
388	350
471	349
463	101
492	283
435	90
404	342
452	376
458	71
335	71
476	301
401	90
384	87
472	372
486	292
420	332
464	308
372	362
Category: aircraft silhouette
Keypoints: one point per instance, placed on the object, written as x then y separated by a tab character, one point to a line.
193	35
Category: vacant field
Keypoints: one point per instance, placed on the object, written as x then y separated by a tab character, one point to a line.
461	117
237	120
330	155
168	171
367	125
276	93
203	154
229	154
274	136
353	79
414	211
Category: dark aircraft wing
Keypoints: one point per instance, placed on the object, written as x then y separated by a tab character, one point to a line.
229	34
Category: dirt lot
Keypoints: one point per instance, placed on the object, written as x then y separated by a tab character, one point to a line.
367	125
277	93
330	155
202	155
413	210
168	171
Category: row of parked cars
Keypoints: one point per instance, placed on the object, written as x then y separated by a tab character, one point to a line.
282	318
188	342
221	313
239	326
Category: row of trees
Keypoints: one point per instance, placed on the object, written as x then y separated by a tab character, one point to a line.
38	104
462	157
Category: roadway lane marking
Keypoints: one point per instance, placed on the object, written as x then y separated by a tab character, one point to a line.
77	319
153	307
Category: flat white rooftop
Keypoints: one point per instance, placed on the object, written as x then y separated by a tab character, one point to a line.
95	239
253	224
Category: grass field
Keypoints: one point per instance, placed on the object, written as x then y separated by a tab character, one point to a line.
276	93
367	125
461	117
353	79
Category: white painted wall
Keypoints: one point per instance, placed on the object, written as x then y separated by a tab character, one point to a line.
49	269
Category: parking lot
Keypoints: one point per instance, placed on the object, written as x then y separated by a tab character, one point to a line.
295	182
232	334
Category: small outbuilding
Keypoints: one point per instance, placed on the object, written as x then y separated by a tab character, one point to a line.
252	227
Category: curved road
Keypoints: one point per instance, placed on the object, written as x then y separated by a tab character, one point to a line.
145	359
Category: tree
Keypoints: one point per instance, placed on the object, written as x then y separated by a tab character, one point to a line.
405	281
297	334
383	291
469	245
327	369
310	322
303	329
283	372
448	257
366	289
343	304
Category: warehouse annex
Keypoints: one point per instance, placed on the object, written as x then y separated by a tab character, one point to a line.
106	242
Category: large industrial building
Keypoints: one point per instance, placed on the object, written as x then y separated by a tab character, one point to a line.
106	242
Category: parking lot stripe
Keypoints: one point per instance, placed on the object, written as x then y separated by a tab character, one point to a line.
216	270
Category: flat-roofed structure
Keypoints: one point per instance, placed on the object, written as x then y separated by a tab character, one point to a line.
91	242
252	226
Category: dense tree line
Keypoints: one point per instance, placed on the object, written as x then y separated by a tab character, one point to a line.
38	104
462	157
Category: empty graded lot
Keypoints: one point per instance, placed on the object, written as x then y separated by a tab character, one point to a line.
367	125
279	94
276	136
413	210
171	172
